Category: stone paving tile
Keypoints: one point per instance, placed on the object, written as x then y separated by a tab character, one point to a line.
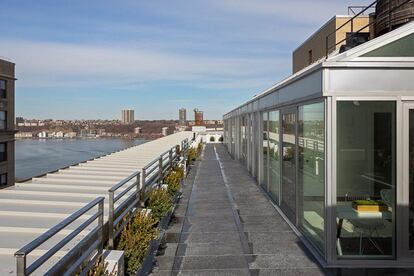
222	237
289	272
209	249
210	262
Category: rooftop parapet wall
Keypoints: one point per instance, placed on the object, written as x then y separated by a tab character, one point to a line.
7	69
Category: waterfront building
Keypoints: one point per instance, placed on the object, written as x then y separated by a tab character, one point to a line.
333	146
137	130
182	117
70	134
43	134
23	134
127	116
7	128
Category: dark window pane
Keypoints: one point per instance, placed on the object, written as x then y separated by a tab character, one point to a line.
3	151
365	178
3	179
3	86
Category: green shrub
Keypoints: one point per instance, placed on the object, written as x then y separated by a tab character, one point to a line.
101	269
199	149
192	155
160	202
173	180
135	241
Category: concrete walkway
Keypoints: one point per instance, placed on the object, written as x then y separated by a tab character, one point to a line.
226	226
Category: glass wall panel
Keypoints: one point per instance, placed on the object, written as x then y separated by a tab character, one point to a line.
288	202
244	139
265	146
411	178
311	167
365	178
274	159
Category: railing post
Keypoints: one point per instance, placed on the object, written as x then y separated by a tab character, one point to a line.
100	225
111	221
160	169
142	186
138	192
352	26
170	157
20	264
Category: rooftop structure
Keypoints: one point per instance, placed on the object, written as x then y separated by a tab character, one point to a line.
326	40
30	208
198	117
332	146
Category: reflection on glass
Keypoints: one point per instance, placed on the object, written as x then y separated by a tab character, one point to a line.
274	162
365	178
411	178
265	149
244	139
311	166
288	203
233	135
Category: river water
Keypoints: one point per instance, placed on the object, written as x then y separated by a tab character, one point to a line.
37	156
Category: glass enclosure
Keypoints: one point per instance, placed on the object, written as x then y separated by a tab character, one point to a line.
265	144
292	153
366	161
274	159
311	172
244	139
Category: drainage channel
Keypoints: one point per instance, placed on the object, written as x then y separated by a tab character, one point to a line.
243	240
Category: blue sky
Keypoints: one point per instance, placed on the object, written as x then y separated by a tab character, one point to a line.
89	59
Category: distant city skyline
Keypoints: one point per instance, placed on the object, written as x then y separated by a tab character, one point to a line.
89	59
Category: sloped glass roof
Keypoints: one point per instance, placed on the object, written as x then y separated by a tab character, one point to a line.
403	47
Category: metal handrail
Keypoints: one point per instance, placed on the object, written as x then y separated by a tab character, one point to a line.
345	24
364	27
116	215
21	255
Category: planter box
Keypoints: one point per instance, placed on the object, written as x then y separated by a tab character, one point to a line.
369	206
154	245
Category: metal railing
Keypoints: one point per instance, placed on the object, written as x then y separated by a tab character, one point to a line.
153	173
86	251
353	10
117	217
351	21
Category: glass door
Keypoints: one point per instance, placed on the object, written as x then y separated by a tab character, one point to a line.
288	200
408	181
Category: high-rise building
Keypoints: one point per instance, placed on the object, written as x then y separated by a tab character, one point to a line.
198	117
182	117
128	116
7	129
